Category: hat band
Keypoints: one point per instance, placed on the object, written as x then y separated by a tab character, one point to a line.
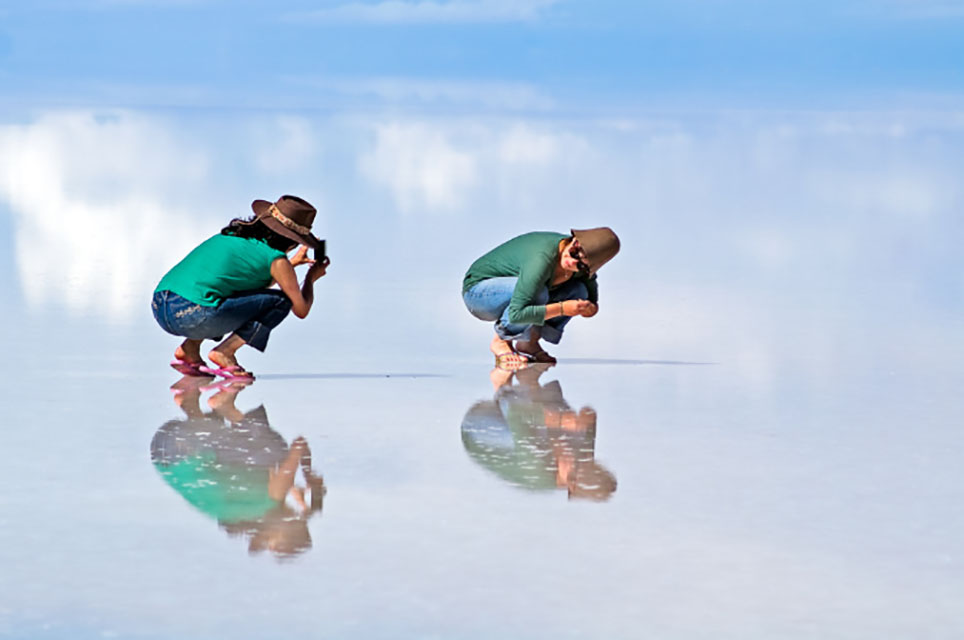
288	222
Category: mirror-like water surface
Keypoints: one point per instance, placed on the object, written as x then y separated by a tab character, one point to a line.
757	437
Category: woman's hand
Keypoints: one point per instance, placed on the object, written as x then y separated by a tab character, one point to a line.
301	257
317	269
578	308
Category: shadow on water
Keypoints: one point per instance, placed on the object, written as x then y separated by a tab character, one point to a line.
631	362
331	376
233	467
531	438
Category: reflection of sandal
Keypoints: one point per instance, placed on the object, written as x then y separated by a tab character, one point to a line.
541	356
227	384
233	372
189	368
506	360
189	384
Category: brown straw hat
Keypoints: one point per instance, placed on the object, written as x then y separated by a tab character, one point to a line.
290	216
600	245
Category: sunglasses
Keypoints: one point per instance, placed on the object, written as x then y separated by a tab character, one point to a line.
579	255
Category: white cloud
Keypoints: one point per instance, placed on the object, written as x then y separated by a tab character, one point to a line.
429	12
420	165
523	145
448	165
92	231
103	202
749	202
286	145
914	197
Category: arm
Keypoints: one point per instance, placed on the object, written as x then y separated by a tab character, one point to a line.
300	257
571	308
593	288
532	276
282	477
585	308
301	298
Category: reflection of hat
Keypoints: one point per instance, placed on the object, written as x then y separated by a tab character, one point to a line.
591	480
600	245
290	216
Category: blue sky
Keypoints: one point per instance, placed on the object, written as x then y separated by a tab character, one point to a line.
704	53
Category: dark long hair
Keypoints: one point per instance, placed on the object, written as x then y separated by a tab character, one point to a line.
254	228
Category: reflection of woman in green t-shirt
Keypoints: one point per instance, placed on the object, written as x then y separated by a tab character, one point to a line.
221	287
236	469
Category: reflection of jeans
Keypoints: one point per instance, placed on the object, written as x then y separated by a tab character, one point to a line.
252	315
489	300
484	428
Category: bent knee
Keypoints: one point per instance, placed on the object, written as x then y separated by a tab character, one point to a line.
283	302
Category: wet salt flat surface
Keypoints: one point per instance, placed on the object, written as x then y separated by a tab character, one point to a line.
759	436
603	497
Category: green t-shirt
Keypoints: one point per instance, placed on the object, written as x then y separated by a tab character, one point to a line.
531	258
227	492
220	267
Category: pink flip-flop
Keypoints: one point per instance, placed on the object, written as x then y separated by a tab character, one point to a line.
233	372
189	368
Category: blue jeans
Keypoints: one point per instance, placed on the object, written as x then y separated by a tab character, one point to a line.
251	314
489	300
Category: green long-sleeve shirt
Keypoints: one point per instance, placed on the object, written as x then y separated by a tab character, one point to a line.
531	258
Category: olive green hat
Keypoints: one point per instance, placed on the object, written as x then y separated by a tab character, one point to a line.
600	245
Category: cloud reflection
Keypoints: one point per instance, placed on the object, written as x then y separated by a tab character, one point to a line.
85	192
771	208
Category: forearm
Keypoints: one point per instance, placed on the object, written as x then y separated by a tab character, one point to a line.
301	297
523	308
583	308
308	292
554	310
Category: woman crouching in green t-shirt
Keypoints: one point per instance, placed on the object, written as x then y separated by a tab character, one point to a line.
221	287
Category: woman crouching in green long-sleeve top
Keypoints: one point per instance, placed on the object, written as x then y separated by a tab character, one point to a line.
532	285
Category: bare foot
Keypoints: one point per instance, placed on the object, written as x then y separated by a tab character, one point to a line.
535	350
505	356
189	351
187	393
222	402
531	374
224	360
500	377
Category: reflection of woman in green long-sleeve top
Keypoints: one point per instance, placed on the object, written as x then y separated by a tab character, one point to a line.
532	285
531	438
